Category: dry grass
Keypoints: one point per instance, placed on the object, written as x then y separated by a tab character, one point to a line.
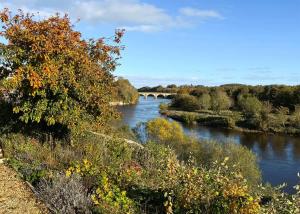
15	195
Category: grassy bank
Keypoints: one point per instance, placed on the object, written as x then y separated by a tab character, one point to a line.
227	119
171	173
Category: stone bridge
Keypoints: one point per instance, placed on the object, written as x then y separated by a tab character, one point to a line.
156	94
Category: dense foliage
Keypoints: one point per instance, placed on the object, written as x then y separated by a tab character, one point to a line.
125	92
108	175
277	95
50	76
205	153
263	108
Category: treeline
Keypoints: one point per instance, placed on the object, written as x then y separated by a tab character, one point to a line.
277	95
274	108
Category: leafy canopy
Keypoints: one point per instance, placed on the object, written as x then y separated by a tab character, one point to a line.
51	75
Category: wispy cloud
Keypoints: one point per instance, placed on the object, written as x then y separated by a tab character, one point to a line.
258	74
140	81
133	15
192	12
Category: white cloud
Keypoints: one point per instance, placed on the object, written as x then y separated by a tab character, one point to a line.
121	11
133	15
142	28
192	12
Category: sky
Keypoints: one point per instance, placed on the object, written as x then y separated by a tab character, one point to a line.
200	42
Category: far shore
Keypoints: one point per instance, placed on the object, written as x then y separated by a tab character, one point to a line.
120	103
220	121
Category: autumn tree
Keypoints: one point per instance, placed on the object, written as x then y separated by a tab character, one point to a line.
282	115
51	75
250	105
125	91
296	116
164	131
220	100
205	101
265	115
186	102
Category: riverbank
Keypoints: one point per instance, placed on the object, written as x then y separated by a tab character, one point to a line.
225	119
121	103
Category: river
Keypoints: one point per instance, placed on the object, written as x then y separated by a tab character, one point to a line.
278	155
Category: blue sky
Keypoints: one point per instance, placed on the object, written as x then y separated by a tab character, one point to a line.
206	42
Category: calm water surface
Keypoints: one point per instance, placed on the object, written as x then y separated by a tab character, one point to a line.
279	155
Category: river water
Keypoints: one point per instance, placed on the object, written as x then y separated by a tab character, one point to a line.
278	155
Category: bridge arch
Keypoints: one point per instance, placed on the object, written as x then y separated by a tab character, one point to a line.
161	95
156	94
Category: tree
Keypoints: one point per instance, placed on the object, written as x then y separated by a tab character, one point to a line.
183	90
265	115
282	115
296	116
220	100
164	131
53	76
199	91
185	102
172	86
205	101
252	109
125	91
250	105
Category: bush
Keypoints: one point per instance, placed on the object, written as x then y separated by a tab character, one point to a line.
220	101
250	105
108	198
282	115
189	118
205	152
186	103
65	195
162	130
217	190
296	117
205	101
108	175
163	107
33	159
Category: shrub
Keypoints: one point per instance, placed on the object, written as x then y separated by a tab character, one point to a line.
108	198
217	190
205	152
189	118
65	195
250	105
205	101
162	130
281	202
107	175
296	117
282	115
220	101
163	107
33	159
185	102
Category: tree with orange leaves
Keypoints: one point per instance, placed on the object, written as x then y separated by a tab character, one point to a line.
52	75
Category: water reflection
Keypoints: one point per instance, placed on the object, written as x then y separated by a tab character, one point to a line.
279	155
